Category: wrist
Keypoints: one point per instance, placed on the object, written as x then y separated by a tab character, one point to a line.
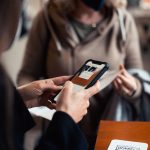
138	90
66	111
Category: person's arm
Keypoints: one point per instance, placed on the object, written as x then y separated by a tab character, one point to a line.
62	134
126	84
41	90
33	66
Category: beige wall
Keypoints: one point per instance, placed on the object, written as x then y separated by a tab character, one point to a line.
12	58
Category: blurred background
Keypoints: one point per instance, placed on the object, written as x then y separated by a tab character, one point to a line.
140	9
13	59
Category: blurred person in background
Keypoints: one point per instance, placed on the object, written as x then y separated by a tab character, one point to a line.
63	133
66	33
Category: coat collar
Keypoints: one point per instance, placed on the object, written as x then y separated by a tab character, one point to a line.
63	32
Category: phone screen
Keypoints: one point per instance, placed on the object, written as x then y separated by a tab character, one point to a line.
88	74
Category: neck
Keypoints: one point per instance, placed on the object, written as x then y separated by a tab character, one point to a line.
85	14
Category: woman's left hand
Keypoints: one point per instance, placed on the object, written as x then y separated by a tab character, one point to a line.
41	90
125	84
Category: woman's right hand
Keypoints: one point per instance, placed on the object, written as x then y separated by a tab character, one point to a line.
74	103
125	84
38	92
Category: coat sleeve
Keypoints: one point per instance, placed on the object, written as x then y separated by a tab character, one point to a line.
62	134
133	51
33	66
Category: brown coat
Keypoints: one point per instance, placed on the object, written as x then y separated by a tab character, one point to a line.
53	49
52	54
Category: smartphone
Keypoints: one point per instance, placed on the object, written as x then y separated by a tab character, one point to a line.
87	75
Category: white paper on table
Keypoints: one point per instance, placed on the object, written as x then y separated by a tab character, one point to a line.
127	145
42	111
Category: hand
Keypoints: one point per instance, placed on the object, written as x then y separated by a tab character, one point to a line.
40	89
125	84
75	103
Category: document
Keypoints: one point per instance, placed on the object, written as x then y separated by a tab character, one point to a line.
47	113
127	145
42	111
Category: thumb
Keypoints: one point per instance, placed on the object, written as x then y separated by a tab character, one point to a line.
121	67
93	90
55	88
68	86
67	89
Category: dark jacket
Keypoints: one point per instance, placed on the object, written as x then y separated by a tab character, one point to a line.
62	133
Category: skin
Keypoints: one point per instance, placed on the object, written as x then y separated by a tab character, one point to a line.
42	90
76	103
73	103
125	84
85	14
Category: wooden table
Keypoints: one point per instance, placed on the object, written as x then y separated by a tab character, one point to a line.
132	131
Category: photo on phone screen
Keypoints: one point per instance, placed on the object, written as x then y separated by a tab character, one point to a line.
87	75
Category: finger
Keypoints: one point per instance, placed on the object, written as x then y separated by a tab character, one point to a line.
51	105
60	80
126	82
67	90
68	86
55	88
36	91
115	84
87	103
122	89
119	82
85	112
44	85
48	88
121	67
92	90
119	87
125	91
124	71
